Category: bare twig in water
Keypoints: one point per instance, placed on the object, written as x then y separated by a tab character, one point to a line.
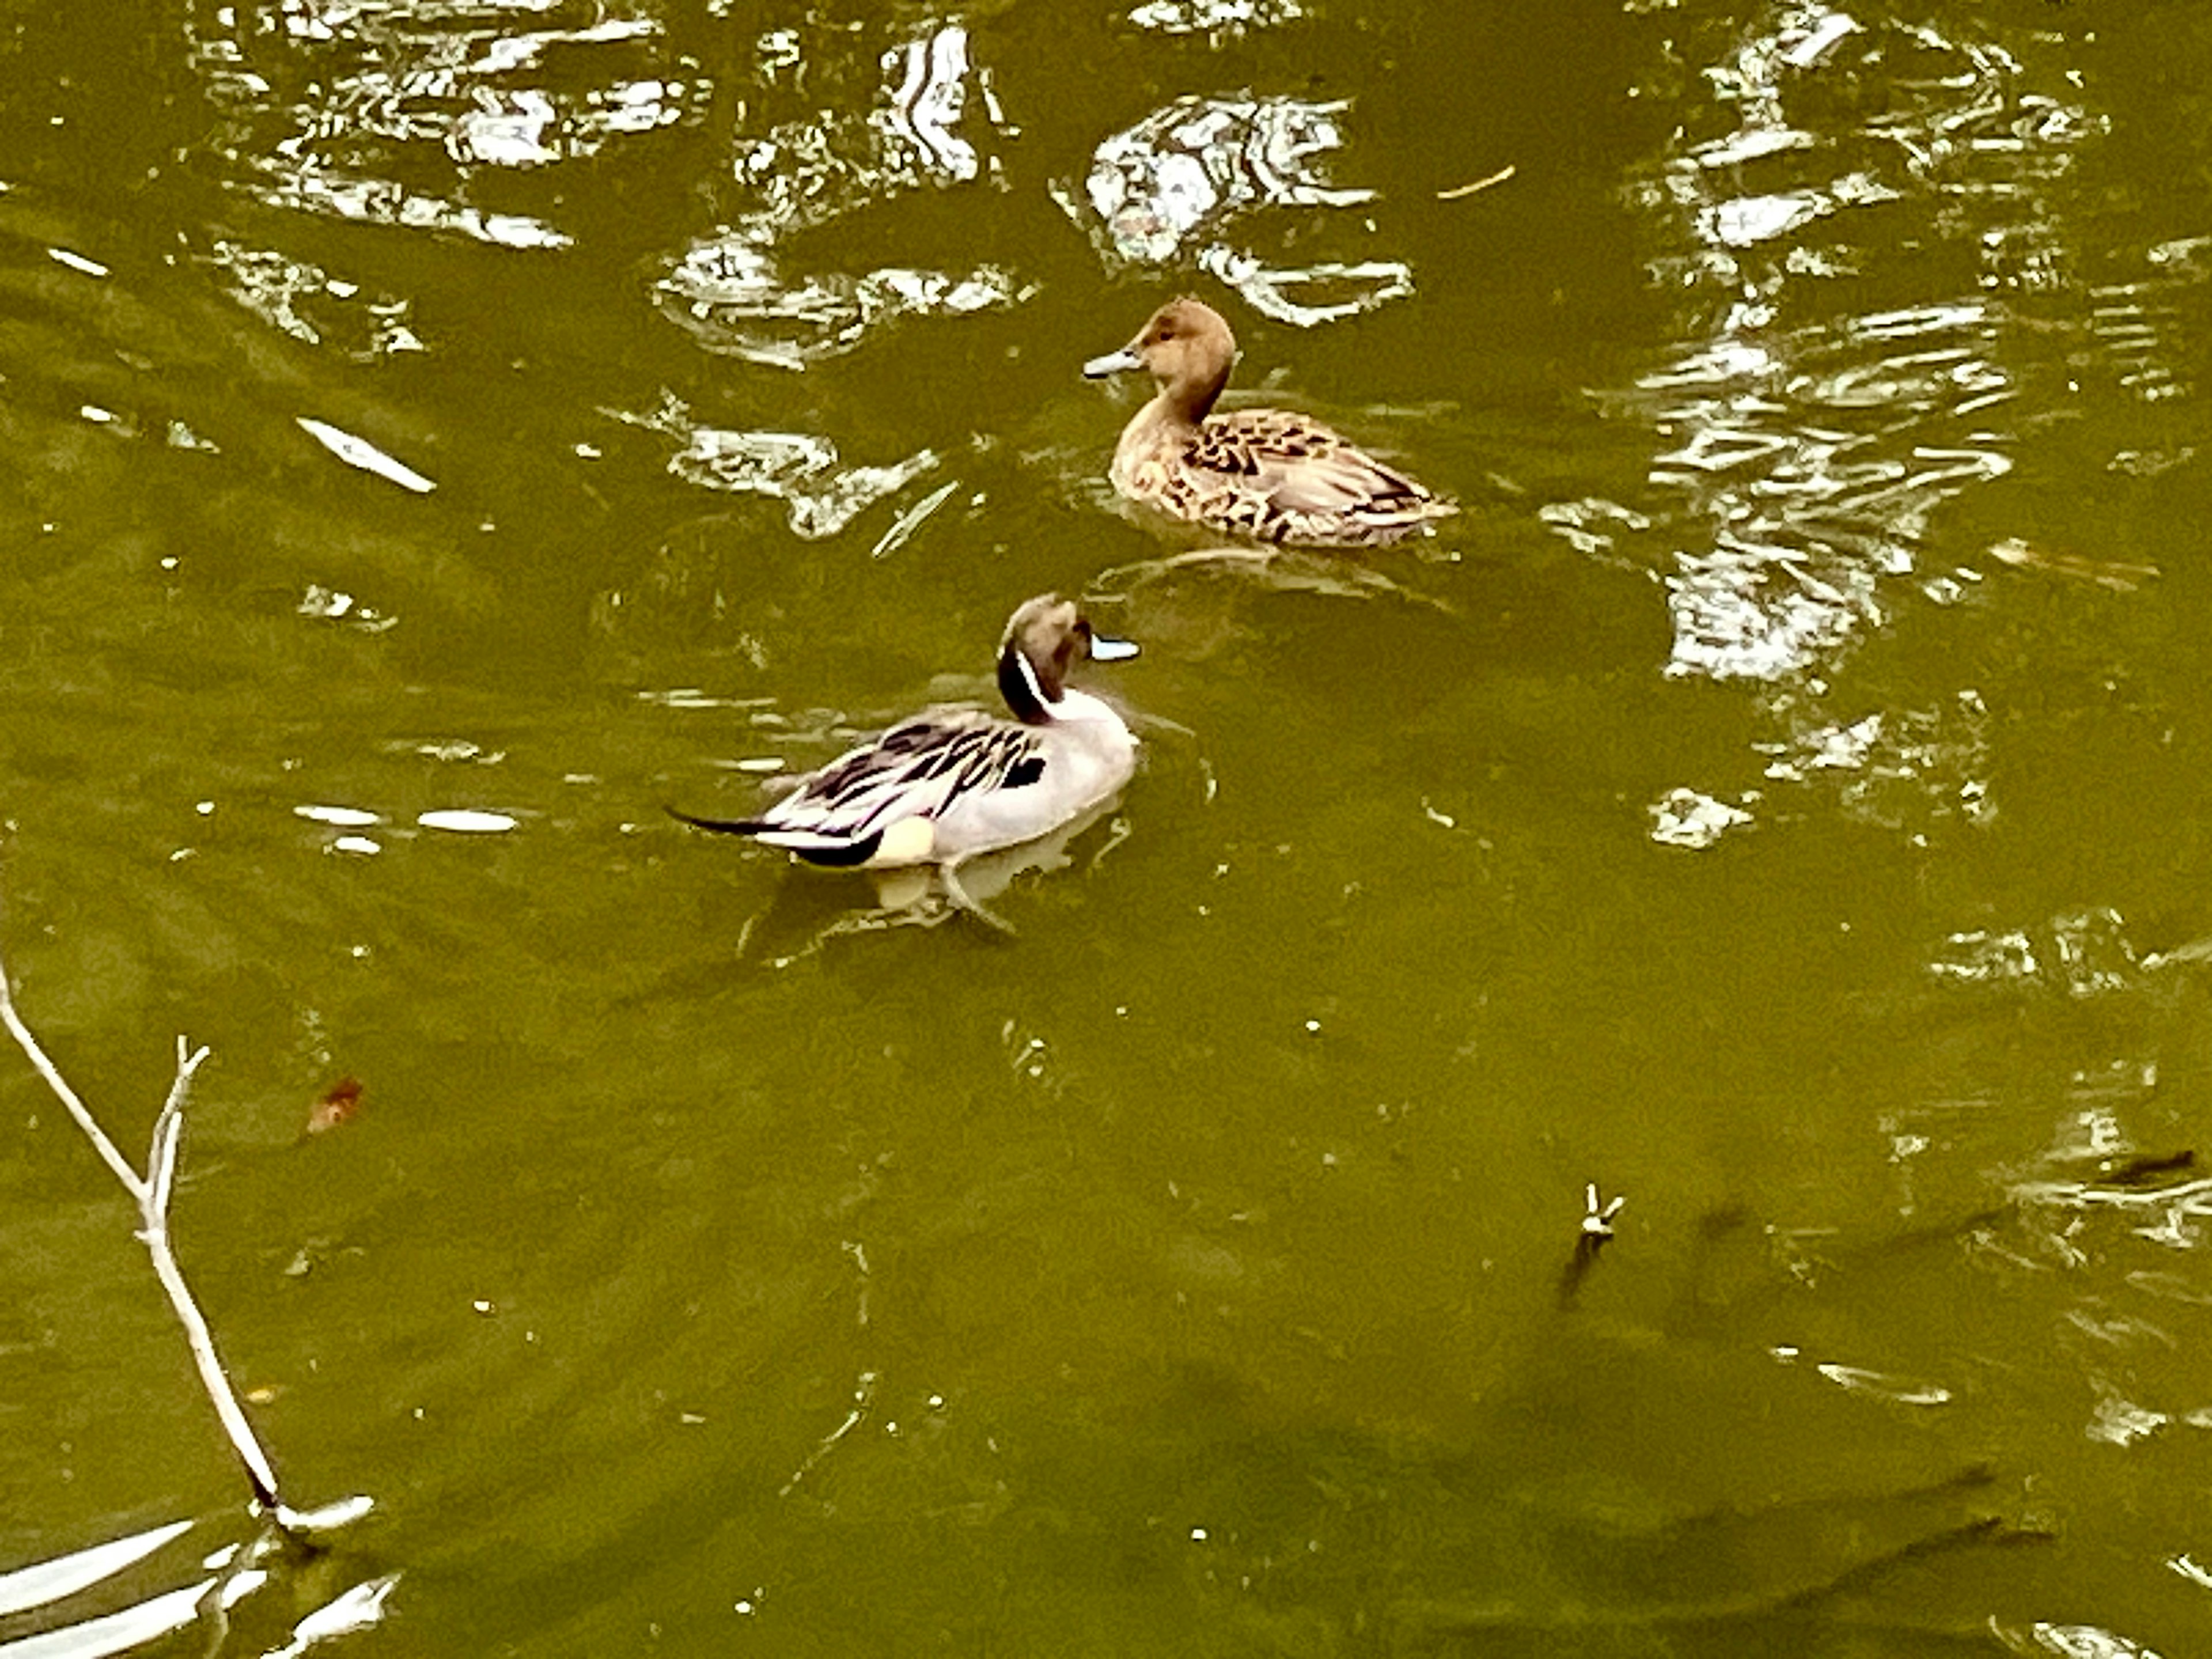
1458	192
1826	1602
151	1192
2113	575
1596	1233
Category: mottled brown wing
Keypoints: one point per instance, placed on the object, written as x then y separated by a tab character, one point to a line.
1299	464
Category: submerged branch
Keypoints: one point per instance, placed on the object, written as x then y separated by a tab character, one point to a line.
151	1194
62	1092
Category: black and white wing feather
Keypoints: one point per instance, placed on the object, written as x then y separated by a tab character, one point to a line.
923	768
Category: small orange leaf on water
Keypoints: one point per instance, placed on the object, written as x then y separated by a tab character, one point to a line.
337	1106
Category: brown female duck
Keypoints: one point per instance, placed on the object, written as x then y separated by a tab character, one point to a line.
1270	473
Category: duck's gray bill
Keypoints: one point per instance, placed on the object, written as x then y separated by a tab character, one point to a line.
1114	362
1105	650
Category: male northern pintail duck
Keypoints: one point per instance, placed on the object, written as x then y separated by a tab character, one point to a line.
1272	473
953	782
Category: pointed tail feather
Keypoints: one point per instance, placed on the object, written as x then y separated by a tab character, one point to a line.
719	826
838	852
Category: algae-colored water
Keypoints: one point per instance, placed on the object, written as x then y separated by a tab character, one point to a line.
1779	798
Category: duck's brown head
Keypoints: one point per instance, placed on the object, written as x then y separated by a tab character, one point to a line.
1187	347
1045	640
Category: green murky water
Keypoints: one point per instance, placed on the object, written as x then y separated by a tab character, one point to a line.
1779	798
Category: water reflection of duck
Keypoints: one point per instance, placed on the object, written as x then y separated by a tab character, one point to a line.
951	783
1272	473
